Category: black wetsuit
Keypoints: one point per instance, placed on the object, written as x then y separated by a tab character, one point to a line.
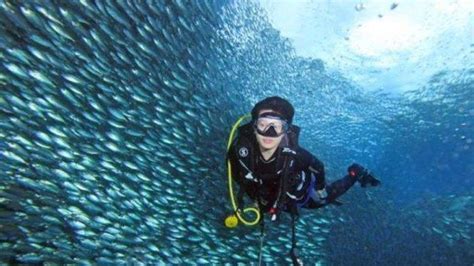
308	176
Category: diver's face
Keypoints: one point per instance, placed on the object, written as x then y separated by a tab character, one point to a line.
268	143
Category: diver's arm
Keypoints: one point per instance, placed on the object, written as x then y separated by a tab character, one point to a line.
314	165
245	185
317	167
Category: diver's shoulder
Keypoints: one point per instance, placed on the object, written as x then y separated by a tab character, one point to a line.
304	155
302	151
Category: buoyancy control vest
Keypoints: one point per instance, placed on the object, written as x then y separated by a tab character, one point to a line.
246	152
245	149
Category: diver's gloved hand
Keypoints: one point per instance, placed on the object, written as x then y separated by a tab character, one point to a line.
362	175
322	194
319	196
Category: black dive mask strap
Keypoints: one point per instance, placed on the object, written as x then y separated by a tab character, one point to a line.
272	114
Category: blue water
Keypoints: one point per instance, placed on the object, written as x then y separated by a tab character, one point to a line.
114	118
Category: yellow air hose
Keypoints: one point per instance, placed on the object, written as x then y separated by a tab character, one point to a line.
230	220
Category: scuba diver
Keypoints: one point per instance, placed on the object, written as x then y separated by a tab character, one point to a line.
276	173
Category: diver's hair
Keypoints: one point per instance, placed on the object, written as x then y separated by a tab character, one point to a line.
278	105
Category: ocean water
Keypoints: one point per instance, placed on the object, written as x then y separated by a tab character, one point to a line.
114	118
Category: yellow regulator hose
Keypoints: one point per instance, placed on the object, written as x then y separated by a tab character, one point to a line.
230	220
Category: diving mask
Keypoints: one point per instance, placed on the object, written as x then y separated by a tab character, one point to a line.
271	125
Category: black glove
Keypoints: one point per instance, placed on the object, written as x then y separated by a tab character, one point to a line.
362	175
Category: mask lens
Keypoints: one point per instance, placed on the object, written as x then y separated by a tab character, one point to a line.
263	124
